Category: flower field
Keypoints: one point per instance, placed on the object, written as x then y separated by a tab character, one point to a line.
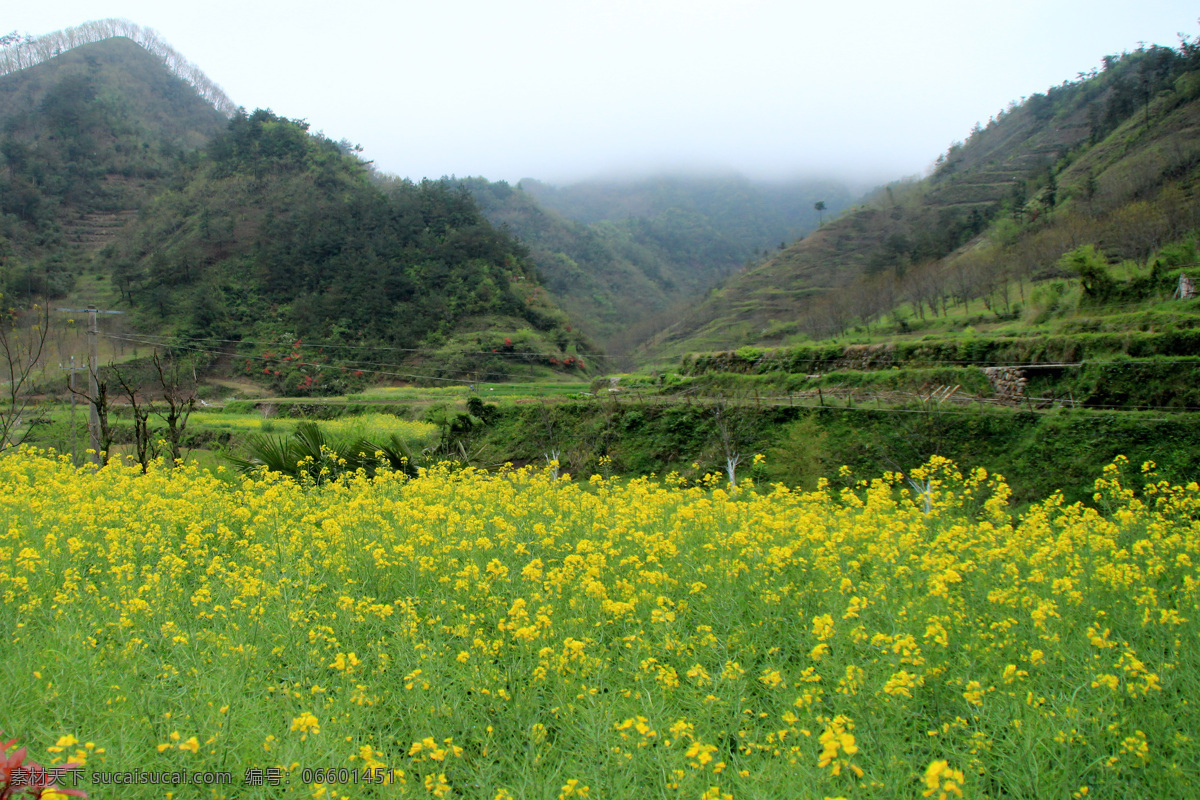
465	634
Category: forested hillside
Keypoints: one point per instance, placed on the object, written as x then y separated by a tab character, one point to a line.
614	288
1109	160
118	177
85	139
20	52
115	165
746	215
625	258
272	231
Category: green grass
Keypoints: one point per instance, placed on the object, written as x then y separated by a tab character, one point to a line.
486	391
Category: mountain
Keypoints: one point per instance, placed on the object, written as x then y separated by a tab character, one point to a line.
1110	160
625	258
20	53
748	215
271	232
119	175
614	289
86	137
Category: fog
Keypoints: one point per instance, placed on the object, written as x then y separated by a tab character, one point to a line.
561	91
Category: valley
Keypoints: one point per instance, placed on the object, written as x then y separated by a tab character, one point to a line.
656	486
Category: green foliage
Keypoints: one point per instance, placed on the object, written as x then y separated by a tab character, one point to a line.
1107	161
1092	269
281	234
268	233
1100	287
485	412
309	454
397	455
1038	454
800	456
457	430
85	138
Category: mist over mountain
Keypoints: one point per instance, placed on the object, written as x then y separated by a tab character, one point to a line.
626	257
1109	160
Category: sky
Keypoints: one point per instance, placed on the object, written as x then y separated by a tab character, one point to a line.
566	90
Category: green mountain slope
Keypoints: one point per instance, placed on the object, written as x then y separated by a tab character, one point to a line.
273	233
1109	160
616	288
118	177
86	138
747	215
626	258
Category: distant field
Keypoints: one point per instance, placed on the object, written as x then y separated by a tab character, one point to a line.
219	432
487	391
368	426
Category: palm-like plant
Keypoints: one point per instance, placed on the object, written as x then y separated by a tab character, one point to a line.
308	454
396	453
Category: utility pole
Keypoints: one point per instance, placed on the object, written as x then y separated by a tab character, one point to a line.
93	333
74	434
93	376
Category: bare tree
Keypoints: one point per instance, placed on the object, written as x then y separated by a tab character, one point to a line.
551	438
731	427
863	301
960	271
180	404
22	347
923	288
19	52
142	447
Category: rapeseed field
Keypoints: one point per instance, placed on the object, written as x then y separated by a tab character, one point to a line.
510	635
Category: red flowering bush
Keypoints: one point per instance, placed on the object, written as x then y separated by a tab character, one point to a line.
20	777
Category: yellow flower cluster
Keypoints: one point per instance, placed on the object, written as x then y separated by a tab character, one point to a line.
513	634
942	781
838	746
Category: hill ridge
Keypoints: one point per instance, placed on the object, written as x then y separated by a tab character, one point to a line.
21	52
1059	170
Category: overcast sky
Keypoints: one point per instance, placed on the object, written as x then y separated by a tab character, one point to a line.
562	90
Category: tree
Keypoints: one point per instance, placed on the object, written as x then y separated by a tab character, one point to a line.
733	429
104	431
22	348
549	439
141	421
13	39
180	402
819	207
1092	268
